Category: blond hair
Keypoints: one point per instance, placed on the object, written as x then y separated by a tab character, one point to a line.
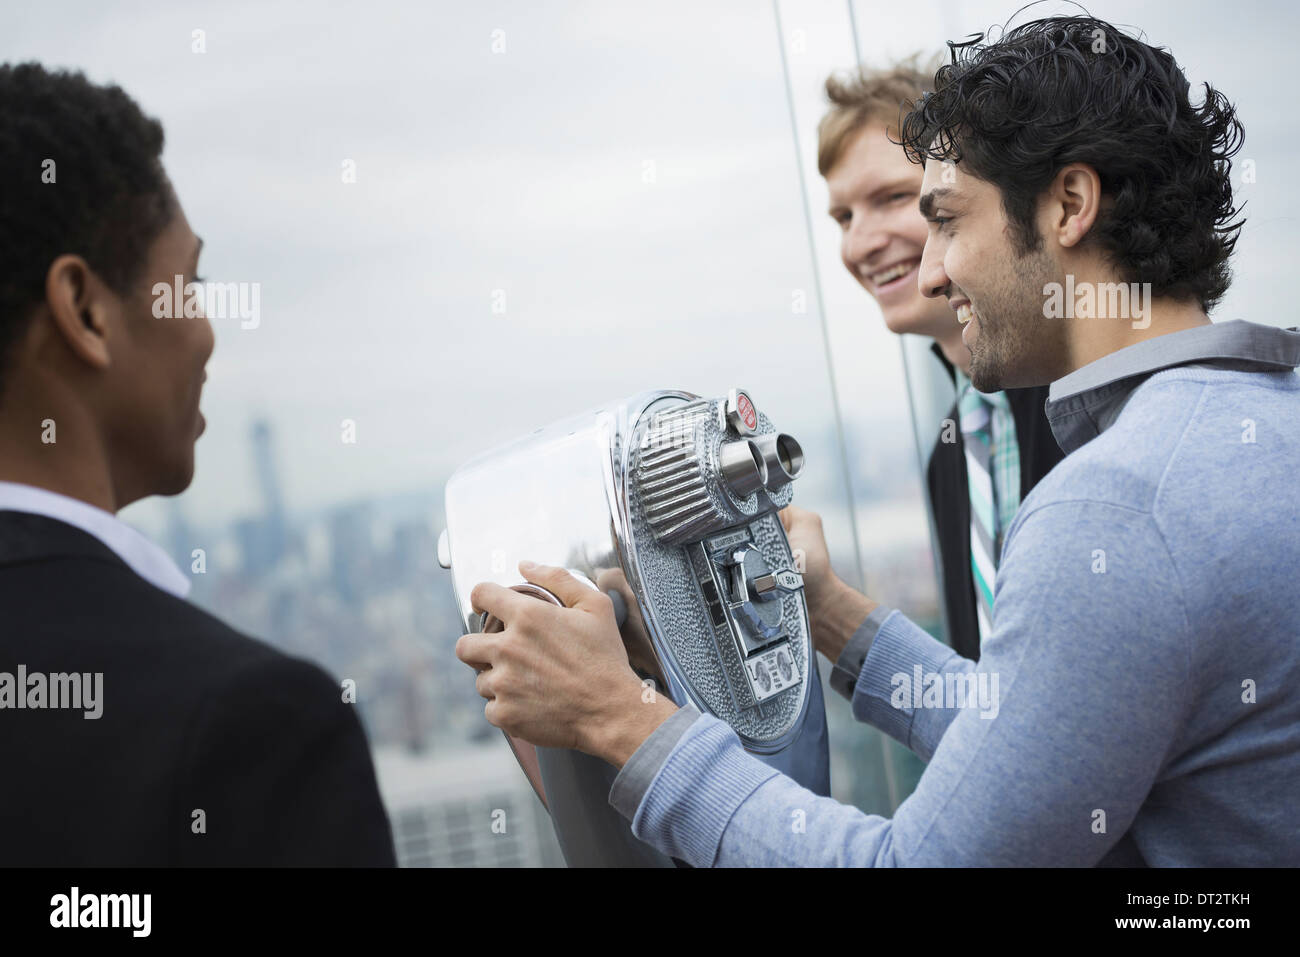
863	97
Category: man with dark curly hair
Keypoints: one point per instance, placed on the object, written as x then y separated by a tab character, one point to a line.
1138	701
134	728
993	448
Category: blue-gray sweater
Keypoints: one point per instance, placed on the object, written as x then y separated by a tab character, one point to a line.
1141	688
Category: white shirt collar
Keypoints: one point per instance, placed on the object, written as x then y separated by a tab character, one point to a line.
144	557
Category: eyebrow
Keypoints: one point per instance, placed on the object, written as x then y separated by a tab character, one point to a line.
896	186
931	199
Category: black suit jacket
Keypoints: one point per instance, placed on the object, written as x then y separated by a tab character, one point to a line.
196	717
950	503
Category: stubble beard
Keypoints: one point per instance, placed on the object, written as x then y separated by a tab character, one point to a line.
1006	351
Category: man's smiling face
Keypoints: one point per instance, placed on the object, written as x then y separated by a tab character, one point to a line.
994	287
873	189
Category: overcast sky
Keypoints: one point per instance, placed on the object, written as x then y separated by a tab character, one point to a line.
623	174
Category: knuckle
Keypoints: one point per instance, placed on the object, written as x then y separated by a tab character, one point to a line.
525	619
508	668
507	653
505	716
504	688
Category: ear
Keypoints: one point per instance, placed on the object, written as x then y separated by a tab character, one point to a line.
79	304
1074	203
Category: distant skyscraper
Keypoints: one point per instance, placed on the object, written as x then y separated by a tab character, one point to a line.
351	554
275	526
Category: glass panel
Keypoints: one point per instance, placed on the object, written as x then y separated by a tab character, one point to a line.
893	534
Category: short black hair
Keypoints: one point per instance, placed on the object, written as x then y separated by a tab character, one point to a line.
1075	89
110	197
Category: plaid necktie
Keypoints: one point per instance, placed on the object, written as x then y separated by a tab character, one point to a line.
993	480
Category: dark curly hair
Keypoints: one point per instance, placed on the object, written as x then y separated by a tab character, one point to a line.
1075	89
110	197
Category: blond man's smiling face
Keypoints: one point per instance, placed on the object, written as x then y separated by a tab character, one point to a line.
873	191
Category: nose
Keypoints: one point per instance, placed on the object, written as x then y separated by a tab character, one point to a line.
931	277
863	240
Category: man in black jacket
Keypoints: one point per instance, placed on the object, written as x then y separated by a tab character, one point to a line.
134	728
992	449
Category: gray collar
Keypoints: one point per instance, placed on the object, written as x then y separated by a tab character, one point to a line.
1088	400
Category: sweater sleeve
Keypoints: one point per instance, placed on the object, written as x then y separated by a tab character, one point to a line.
1069	717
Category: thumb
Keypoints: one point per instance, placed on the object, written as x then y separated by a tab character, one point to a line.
558	582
